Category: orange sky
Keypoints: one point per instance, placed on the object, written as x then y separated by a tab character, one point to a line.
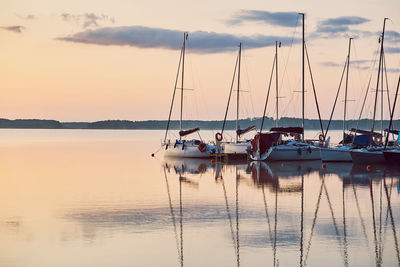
42	76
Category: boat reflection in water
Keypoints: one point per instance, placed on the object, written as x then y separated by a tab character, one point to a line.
296	213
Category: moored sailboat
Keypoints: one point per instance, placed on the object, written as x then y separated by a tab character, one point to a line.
184	148
271	146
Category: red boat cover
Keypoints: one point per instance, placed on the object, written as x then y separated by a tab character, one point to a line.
266	140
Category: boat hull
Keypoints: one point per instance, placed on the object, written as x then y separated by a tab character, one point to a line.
283	153
335	154
392	156
367	157
185	151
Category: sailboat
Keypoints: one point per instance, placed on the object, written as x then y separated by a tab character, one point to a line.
270	146
184	148
373	153
239	148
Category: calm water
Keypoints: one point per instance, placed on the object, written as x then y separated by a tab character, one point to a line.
97	198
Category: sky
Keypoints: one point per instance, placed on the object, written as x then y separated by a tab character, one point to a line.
99	60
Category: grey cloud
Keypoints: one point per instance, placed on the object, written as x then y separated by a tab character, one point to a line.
27	17
16	28
358	64
392	50
392	36
86	20
285	19
145	37
344	21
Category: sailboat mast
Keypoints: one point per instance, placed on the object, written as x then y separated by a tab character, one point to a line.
377	81
238	92
276	75
345	92
302	80
183	72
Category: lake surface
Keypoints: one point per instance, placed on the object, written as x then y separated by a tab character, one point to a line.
97	198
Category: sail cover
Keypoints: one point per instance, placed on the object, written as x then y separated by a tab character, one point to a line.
186	132
295	130
375	134
248	129
265	140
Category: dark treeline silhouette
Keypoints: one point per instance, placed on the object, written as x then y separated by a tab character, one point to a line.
205	125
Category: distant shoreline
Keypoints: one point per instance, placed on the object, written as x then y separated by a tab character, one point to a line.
310	124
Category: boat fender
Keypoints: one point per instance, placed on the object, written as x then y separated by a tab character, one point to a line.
183	145
321	138
218	137
202	147
166	146
299	151
309	150
176	143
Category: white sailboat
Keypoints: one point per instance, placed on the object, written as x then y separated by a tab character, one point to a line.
238	148
184	148
271	146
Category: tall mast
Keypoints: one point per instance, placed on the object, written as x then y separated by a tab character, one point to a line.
302	70
377	81
238	88
276	75
345	92
183	72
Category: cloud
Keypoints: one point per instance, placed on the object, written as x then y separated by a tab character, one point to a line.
392	50
339	27
363	64
344	21
16	28
285	19
86	20
146	37
392	36
27	17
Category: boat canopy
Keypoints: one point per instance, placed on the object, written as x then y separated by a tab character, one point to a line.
375	134
248	129
186	132
294	130
358	140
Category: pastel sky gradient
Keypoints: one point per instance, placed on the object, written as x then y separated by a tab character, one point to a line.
96	60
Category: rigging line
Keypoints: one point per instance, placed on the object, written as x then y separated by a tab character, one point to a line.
387	88
333	219
336	98
359	214
172	214
290	50
276	222
391	113
314	222
249	84
173	95
346	255
392	221
237	218
387	216
380	221
267	214
229	214
302	221
181	217
269	89
377	259
315	93
230	94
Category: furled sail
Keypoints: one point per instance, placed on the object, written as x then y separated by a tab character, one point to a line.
186	132
248	129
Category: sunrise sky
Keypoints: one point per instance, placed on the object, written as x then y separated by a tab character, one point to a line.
97	60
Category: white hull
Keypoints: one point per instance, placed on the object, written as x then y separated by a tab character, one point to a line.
236	148
336	154
289	152
188	151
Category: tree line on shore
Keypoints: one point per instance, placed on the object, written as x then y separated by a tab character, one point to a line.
310	124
